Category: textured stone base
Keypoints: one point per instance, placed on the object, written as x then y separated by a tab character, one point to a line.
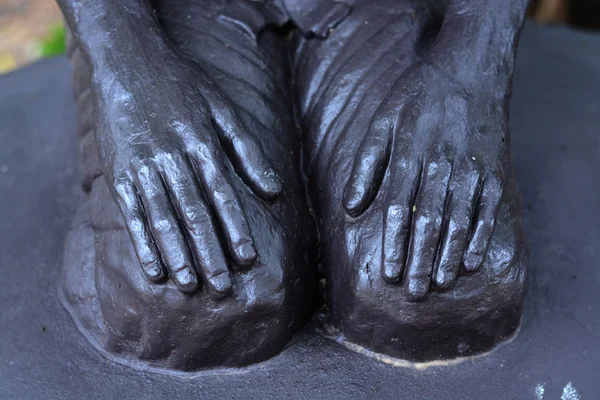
556	140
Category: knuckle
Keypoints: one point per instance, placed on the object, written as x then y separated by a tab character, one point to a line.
230	203
193	221
165	157
438	168
482	234
457	104
495	180
136	226
422	219
393	256
126	200
201	150
445	166
427	221
122	189
244	141
179	267
185	128
404	164
163	226
121	178
160	155
382	123
397	211
410	168
471	166
458	227
430	168
492	194
169	160
148	262
142	169
487	226
139	161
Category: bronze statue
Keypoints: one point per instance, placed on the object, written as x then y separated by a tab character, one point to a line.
224	142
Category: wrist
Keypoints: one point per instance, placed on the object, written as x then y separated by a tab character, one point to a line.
115	33
137	61
448	92
477	40
470	78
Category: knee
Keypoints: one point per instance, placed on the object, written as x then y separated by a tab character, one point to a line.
166	328
157	323
444	326
479	312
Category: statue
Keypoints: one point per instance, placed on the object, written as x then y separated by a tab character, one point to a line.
225	142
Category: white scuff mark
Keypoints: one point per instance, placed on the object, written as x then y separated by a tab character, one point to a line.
539	391
570	393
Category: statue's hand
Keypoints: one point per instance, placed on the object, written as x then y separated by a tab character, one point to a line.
434	158
164	129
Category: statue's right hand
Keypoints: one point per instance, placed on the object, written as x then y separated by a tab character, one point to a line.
163	134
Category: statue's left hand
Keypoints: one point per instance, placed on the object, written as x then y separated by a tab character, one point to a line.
435	159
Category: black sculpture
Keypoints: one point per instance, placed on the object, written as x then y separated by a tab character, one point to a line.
196	117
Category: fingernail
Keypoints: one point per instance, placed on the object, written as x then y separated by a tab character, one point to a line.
416	291
443	280
274	184
186	280
472	262
352	200
246	254
221	284
391	272
270	186
351	204
154	272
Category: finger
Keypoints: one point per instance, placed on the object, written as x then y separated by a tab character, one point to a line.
141	238
210	168
369	169
200	229
459	217
484	224
164	227
396	229
426	228
247	155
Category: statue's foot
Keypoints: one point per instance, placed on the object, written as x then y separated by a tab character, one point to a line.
418	208
140	321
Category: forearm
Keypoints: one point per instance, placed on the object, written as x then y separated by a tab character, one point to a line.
114	33
478	39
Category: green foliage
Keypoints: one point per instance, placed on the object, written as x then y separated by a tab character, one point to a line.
54	44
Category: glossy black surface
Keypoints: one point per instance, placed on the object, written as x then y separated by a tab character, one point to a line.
196	244
409	169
